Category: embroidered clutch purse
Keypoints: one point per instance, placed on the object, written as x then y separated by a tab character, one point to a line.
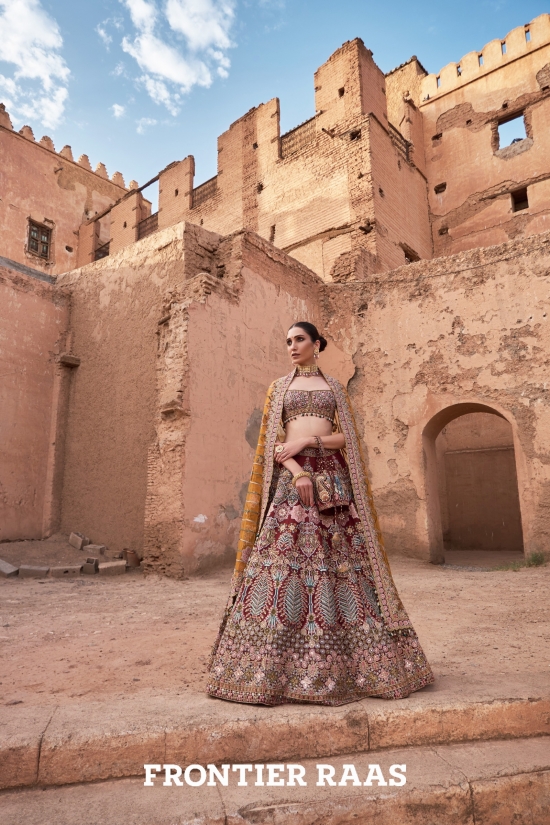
332	489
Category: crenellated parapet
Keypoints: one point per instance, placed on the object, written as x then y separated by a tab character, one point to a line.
494	55
66	152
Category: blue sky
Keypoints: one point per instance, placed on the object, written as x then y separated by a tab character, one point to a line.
137	84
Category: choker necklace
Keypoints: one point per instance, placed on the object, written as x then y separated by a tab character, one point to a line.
308	371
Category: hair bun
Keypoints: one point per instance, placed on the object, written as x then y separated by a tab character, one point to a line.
322	343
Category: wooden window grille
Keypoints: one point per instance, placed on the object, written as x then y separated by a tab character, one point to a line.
298	138
148	225
102	251
402	144
40	240
205	191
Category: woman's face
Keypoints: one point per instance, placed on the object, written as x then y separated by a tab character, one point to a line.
300	346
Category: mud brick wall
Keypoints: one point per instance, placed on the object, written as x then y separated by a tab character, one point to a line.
33	389
52	189
116	304
431	341
461	118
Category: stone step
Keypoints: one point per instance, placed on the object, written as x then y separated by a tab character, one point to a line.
86	742
481	783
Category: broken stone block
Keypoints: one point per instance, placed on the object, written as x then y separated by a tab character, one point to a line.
78	541
91	566
31	571
67	572
7	570
96	549
112	568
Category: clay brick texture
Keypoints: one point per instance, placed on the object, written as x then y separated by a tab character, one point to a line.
395	217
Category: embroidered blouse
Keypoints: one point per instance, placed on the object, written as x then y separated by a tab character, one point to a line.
320	403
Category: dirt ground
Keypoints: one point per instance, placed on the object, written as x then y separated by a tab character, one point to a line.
135	636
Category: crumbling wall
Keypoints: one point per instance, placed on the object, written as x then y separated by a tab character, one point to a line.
467	330
116	307
33	385
471	177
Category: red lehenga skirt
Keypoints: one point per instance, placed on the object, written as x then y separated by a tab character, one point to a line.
305	625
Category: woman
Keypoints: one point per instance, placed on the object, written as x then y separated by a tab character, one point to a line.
313	614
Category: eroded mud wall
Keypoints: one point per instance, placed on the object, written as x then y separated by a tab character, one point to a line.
470	329
33	385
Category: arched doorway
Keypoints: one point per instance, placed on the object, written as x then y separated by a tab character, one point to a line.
473	505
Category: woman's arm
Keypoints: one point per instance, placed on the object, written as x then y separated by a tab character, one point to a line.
290	448
304	485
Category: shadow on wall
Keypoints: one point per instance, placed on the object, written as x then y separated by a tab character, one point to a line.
473	498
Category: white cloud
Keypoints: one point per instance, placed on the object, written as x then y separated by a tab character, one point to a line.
143	122
105	36
31	42
118	110
203	23
168	73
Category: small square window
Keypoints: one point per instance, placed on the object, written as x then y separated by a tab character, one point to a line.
503	47
40	239
341	92
520	200
511	131
480	59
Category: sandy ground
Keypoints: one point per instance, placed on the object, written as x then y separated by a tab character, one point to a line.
131	635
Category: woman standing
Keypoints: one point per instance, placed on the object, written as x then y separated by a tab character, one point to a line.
313	615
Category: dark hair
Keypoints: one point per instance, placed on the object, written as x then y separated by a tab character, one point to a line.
313	333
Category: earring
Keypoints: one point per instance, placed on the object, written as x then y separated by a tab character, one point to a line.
316	353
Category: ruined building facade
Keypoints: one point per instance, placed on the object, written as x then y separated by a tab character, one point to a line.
408	217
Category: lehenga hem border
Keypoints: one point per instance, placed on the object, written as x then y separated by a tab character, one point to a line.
281	699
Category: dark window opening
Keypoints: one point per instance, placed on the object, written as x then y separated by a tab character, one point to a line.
341	92
148	225
459	70
380	191
102	251
443	230
520	200
355	135
272	234
254	145
480	59
503	47
40	239
260	187
69	248
511	131
468	122
504	105
176	192
438	136
438	81
440	188
527	36
411	257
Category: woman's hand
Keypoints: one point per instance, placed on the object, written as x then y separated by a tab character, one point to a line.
304	486
290	448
